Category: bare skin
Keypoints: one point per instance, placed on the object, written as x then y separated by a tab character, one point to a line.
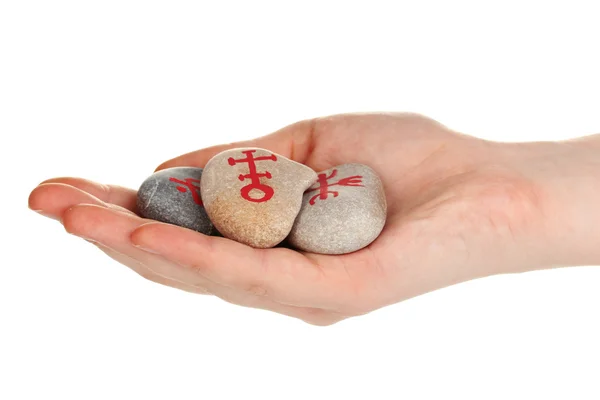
460	208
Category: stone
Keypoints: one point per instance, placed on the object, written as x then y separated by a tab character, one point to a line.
343	212
253	195
173	196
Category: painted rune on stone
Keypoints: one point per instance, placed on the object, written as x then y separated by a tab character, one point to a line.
324	185
190	184
254	176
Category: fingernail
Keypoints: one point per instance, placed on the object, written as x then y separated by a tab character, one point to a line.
151	251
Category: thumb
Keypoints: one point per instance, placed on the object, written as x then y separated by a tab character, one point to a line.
293	141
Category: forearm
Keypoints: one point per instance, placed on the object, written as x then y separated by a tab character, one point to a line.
568	177
580	194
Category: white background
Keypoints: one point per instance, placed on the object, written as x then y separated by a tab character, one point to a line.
109	89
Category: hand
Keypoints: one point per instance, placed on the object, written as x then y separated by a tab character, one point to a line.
459	208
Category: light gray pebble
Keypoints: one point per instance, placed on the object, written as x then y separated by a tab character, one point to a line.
343	212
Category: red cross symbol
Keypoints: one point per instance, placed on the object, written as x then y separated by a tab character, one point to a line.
254	176
355	180
189	183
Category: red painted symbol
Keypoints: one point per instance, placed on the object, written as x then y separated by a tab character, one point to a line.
254	176
355	180
189	183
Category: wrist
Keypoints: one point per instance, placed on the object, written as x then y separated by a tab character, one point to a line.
567	178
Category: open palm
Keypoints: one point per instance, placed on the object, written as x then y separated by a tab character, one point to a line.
454	211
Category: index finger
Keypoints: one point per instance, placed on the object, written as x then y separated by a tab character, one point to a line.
113	194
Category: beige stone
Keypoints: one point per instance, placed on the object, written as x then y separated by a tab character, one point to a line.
253	195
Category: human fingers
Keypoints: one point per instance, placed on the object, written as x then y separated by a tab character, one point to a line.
53	199
112	229
113	194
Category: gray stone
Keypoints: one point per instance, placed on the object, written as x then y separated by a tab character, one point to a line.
173	196
343	212
253	195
